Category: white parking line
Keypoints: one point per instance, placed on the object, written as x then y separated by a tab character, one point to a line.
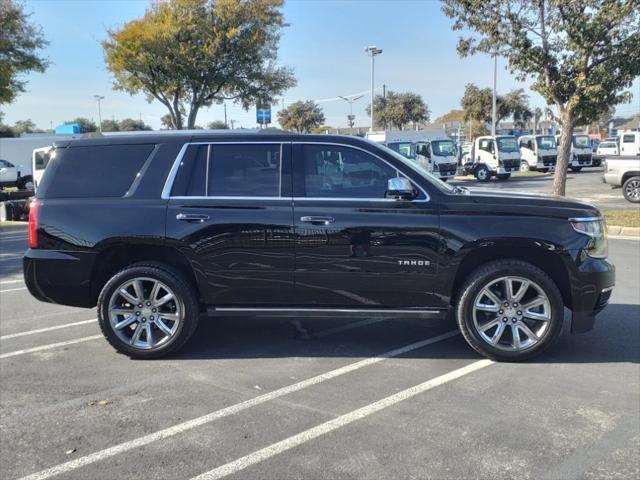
49	346
47	329
230	410
339	422
13	290
7	282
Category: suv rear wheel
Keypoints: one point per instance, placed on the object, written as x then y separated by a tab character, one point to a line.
148	311
509	310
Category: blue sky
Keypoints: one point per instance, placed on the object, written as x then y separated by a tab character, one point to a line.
324	44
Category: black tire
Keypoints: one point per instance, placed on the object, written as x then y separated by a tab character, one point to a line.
631	189
482	174
22	182
544	170
575	169
504	176
181	287
494	271
444	179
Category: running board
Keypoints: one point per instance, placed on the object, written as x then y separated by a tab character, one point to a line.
322	312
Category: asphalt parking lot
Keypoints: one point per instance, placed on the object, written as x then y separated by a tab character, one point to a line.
281	398
585	185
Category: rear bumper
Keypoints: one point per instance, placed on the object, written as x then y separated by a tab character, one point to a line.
59	276
614	179
592	286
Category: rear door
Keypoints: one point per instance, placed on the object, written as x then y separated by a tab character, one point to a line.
354	247
230	211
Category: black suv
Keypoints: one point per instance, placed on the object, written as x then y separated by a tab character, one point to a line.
157	229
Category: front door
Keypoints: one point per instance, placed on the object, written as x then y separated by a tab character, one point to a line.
230	212
354	247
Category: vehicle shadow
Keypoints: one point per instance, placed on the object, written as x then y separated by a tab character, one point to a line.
615	339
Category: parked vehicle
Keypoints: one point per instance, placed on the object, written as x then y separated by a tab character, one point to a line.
439	157
406	149
493	156
629	142
624	171
11	176
581	153
538	152
39	161
156	229
608	149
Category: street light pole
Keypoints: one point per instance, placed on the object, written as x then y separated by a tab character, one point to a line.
372	51
350	100
493	104
99	98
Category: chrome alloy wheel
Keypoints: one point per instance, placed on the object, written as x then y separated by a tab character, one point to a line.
145	313
632	190
512	313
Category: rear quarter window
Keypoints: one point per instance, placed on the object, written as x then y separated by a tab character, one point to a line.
100	171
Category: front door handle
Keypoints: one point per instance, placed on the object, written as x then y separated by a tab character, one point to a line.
192	217
317	220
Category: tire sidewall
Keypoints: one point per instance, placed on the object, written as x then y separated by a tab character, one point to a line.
486	177
180	288
624	190
464	309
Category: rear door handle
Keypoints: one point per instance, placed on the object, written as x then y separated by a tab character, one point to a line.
192	217
317	220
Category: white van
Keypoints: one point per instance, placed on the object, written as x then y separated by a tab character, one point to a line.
538	152
629	142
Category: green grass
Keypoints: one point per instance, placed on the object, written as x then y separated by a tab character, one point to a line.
623	218
529	173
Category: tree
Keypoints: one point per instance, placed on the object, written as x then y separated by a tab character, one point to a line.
517	106
537	115
131	125
110	126
217	125
24	126
189	54
20	41
477	104
301	116
451	116
580	54
166	122
86	125
399	109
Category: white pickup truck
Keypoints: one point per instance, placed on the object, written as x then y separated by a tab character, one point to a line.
624	171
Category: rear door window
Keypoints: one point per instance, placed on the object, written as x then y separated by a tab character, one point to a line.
95	171
229	170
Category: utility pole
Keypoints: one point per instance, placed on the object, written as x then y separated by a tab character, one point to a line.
372	51
225	114
98	99
232	121
493	104
351	117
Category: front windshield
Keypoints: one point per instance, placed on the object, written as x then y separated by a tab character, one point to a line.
581	141
416	167
507	144
406	149
546	143
443	148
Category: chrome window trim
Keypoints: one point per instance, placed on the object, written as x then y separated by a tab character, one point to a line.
168	185
171	177
426	195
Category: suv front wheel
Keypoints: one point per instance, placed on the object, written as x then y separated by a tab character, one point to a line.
510	310
148	311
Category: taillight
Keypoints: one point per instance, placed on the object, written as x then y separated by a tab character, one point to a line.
33	223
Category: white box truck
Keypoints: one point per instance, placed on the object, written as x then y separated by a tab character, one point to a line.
538	152
581	152
497	156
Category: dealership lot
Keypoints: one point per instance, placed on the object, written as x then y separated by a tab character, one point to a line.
585	185
314	398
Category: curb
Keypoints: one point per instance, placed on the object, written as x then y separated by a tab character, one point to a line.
618	231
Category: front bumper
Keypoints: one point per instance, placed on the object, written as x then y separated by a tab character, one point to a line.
62	277
591	288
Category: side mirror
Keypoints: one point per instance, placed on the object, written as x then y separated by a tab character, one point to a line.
400	189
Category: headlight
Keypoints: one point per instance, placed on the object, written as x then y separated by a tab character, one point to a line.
596	229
